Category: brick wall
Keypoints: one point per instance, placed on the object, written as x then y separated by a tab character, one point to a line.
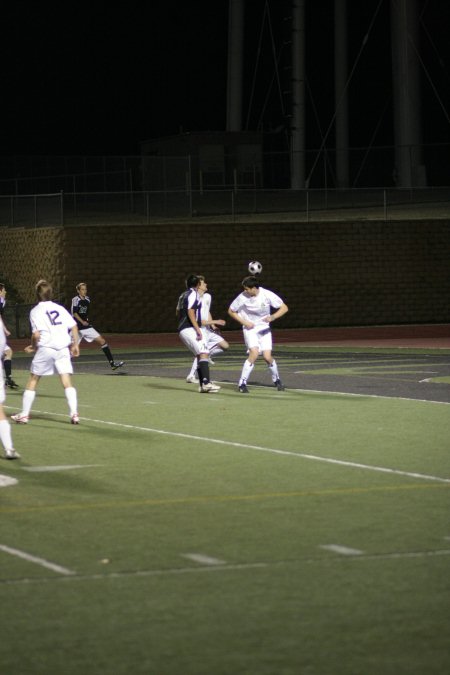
330	274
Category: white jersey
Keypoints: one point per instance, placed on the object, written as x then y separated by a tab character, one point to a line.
53	322
255	307
206	306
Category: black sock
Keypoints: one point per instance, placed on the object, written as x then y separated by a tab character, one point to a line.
107	352
8	367
203	372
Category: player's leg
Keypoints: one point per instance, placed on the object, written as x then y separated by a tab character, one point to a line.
27	399
5	428
7	364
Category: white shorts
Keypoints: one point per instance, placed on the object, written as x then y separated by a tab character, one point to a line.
212	338
46	360
88	334
189	337
259	337
2	387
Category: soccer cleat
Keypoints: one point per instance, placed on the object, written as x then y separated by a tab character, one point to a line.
279	385
192	379
117	364
243	388
211	362
11	454
10	383
20	419
75	419
208	388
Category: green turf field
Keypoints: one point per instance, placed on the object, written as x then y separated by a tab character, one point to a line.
172	533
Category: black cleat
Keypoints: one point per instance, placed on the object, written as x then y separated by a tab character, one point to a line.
10	383
279	385
117	364
243	388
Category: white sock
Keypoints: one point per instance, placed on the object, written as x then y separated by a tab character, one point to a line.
27	401
246	370
5	434
194	367
71	396
274	370
215	350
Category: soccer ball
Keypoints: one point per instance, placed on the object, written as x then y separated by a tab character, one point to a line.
254	267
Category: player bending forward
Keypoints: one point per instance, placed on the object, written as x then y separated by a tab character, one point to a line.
54	338
252	309
80	312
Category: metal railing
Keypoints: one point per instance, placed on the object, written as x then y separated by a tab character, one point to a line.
145	206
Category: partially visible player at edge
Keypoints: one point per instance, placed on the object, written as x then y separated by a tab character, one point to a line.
7	354
5	428
54	338
214	341
190	331
252	309
80	312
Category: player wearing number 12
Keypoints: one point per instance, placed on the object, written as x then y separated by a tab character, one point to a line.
54	338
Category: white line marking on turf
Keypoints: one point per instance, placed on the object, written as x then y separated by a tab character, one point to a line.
260	448
63	467
349	393
342	550
6	481
224	568
203	559
34	559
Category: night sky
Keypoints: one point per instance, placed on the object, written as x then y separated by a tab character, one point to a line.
99	79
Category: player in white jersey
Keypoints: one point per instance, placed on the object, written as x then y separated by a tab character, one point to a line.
214	341
253	310
5	428
54	338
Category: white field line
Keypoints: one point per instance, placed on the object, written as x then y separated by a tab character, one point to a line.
227	568
346	393
342	550
259	448
203	559
62	467
37	561
6	481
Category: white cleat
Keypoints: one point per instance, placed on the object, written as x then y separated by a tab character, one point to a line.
208	388
192	379
20	419
11	454
75	419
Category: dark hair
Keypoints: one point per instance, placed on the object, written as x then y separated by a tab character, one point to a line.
250	282
2	286
193	280
44	290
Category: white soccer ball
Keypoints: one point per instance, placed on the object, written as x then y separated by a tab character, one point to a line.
254	267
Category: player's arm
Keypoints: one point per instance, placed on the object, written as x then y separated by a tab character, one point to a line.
212	323
239	319
77	317
281	311
35	336
74	347
191	312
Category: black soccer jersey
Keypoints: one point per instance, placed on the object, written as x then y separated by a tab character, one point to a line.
81	307
182	308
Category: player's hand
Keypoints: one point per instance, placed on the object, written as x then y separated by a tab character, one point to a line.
75	350
219	322
29	349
